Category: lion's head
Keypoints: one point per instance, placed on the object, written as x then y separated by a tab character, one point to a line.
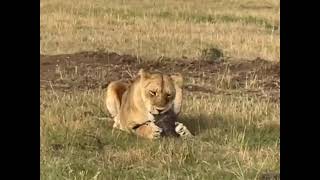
158	90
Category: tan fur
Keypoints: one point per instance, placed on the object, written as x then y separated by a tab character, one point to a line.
115	89
134	105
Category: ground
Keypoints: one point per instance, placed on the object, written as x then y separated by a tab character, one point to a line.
231	107
228	53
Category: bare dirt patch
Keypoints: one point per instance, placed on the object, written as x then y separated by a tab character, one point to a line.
92	70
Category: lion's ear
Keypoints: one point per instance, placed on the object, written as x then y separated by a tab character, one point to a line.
177	79
142	73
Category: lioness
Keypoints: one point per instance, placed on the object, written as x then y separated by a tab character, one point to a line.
134	106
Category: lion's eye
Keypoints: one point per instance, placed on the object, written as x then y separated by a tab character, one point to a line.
153	93
168	95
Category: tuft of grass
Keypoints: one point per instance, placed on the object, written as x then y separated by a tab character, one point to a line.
212	54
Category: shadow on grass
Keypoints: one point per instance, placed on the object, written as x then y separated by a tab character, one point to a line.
255	136
198	124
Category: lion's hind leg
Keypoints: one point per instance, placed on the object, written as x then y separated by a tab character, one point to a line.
113	97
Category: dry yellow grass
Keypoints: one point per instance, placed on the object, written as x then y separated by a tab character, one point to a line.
151	28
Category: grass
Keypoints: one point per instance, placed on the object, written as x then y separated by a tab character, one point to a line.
236	138
237	134
152	28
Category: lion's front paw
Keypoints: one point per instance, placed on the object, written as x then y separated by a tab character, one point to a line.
182	130
154	132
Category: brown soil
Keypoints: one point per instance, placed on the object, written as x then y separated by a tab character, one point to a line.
92	70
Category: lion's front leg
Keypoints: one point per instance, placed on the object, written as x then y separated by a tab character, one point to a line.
148	130
182	130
